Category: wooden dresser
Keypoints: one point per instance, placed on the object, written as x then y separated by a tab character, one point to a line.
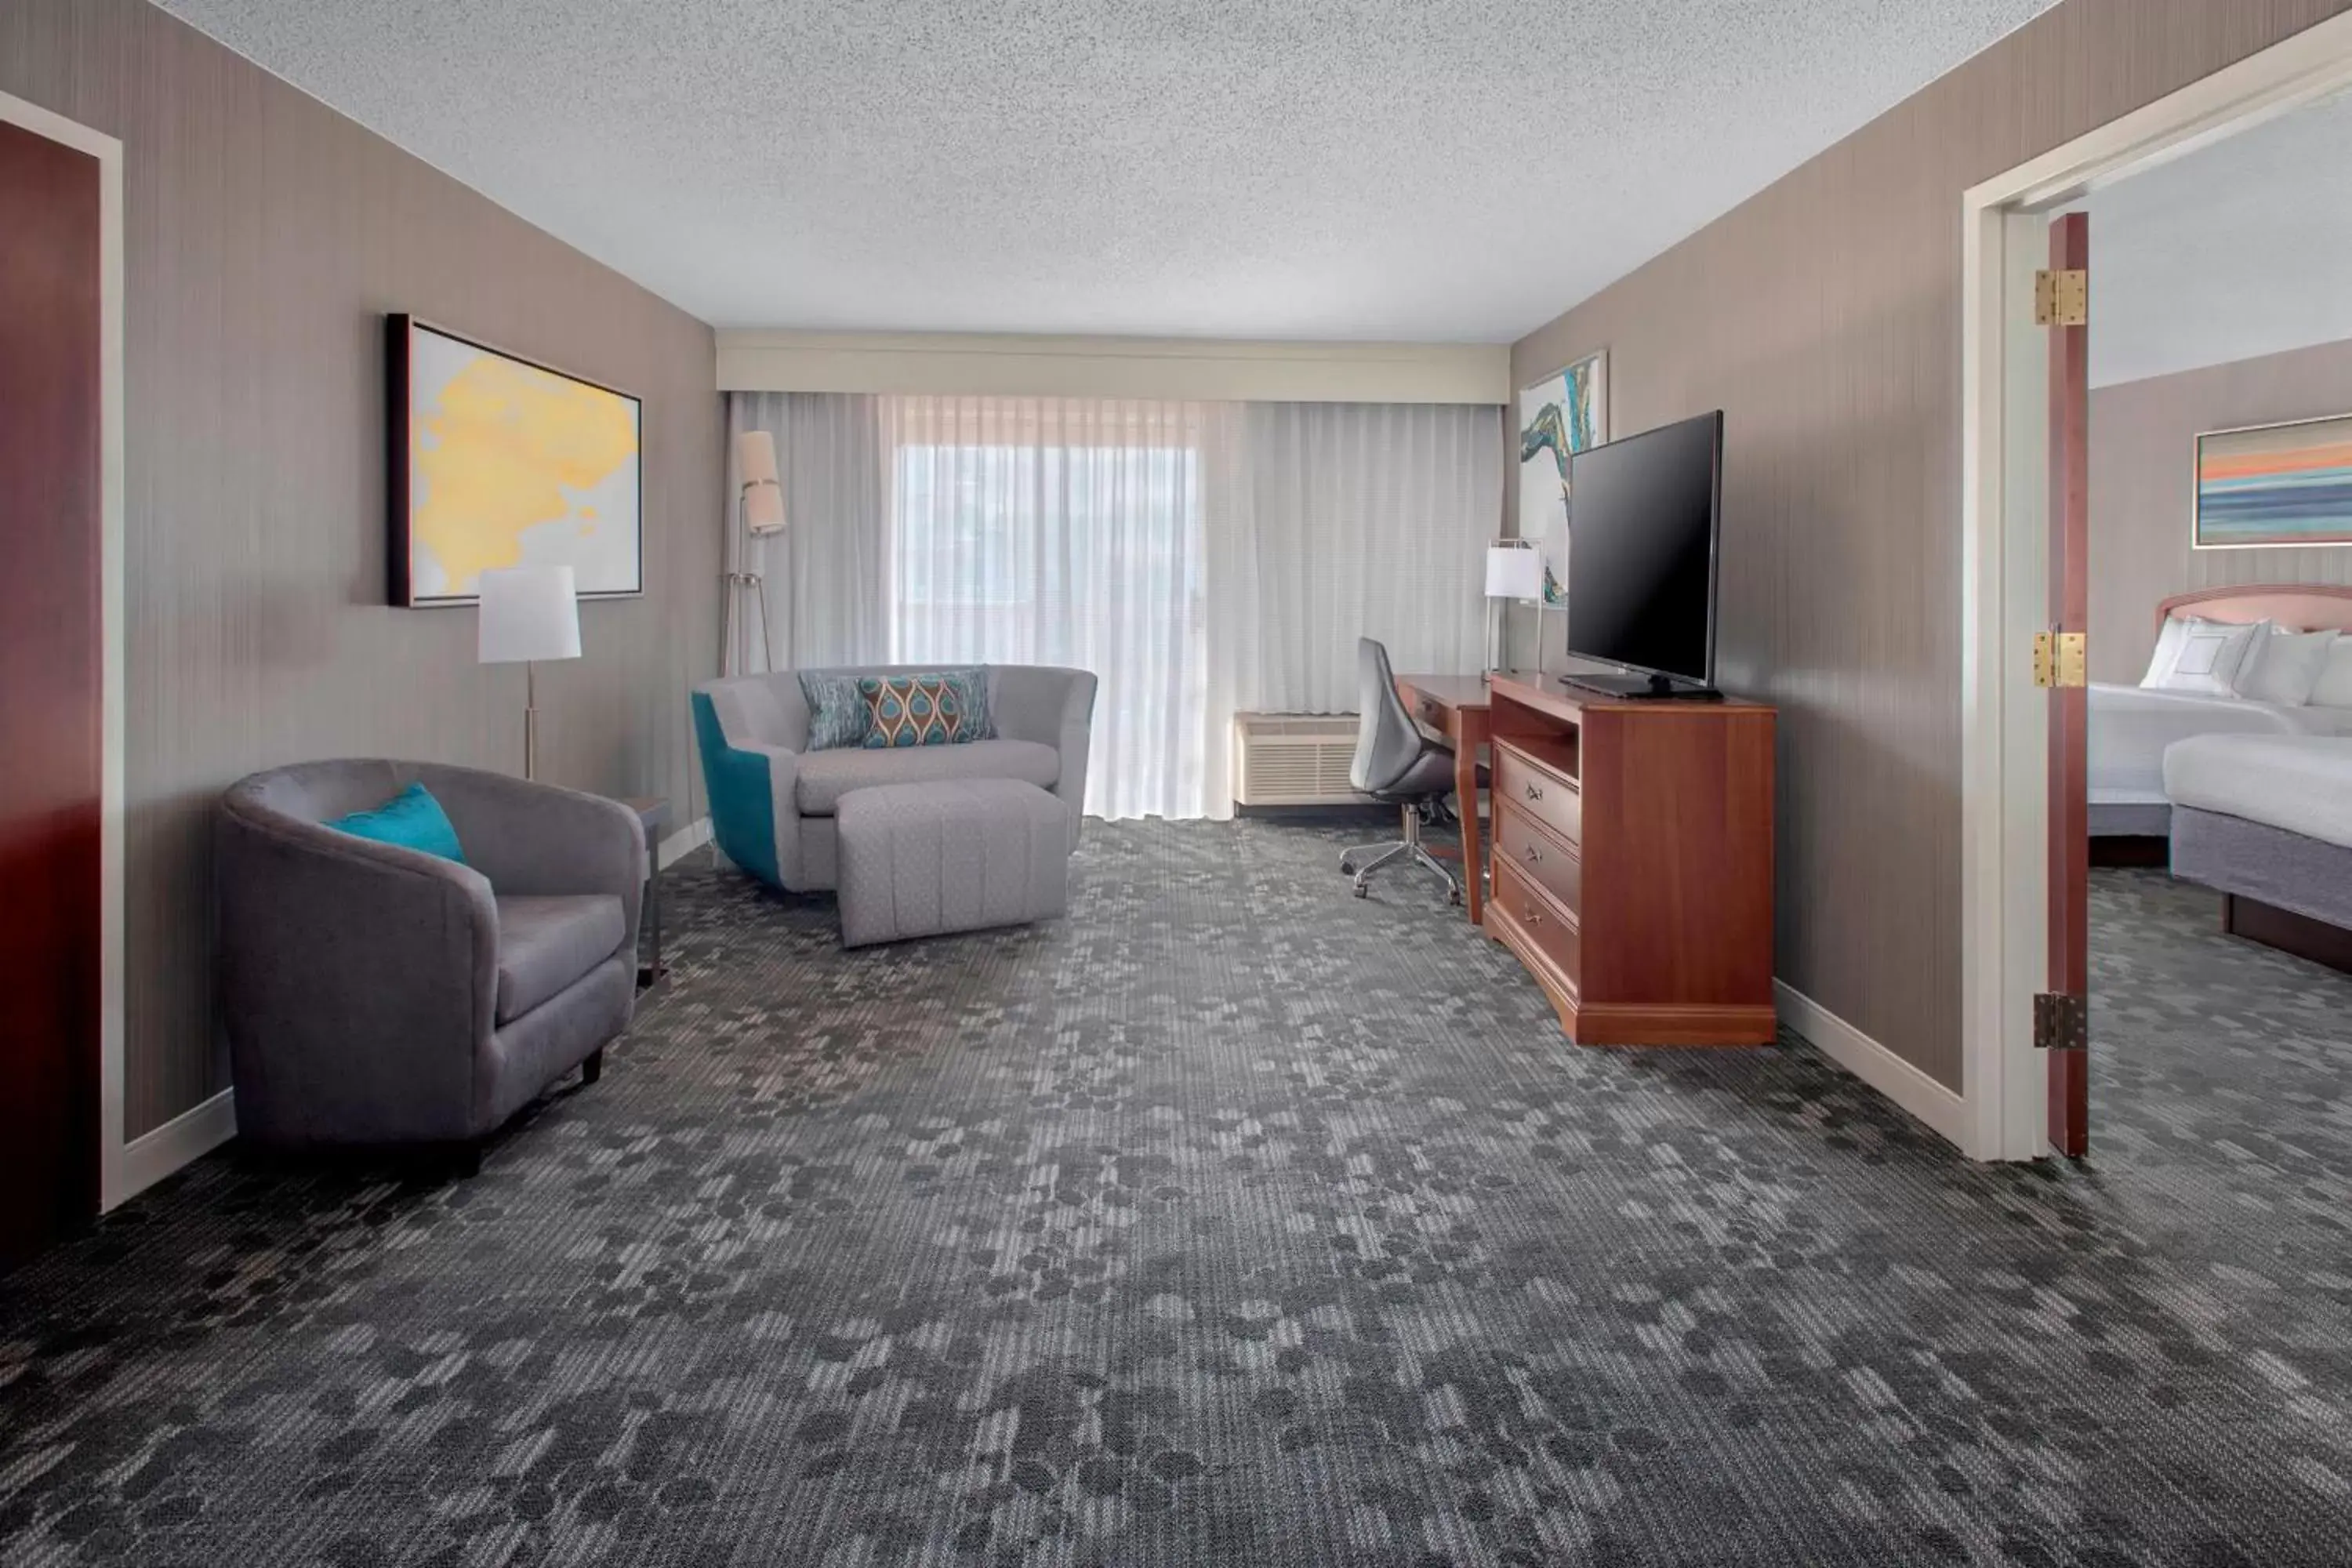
1633	862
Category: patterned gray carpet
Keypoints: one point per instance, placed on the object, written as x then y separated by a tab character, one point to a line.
1235	1222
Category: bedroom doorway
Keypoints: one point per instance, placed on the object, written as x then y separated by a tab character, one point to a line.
2031	571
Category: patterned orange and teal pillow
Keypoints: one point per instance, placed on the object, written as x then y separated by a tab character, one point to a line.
944	708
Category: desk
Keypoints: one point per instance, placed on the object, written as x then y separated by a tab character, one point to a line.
1457	707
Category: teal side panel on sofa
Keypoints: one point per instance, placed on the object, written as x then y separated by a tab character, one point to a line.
743	811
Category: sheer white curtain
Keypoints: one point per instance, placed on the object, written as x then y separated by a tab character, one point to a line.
827	580
1201	558
1350	519
1065	530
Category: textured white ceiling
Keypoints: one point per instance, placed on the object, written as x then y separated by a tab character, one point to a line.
2237	249
1436	169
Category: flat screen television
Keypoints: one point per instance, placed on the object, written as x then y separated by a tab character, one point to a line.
1645	524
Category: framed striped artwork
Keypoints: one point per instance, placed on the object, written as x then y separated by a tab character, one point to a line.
2275	487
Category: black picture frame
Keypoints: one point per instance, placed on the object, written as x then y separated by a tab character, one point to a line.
400	330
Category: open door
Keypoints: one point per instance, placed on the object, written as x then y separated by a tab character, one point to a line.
2061	1013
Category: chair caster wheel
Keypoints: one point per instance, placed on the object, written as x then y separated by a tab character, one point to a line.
1347	866
1454	898
1363	892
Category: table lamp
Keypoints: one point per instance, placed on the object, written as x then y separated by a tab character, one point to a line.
528	614
1514	571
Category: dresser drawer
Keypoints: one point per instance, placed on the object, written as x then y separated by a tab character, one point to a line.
1546	795
1535	853
1537	920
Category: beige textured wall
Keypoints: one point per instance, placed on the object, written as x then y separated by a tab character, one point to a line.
1824	315
2143	438
266	237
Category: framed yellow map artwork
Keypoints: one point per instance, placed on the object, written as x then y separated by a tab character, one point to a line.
497	461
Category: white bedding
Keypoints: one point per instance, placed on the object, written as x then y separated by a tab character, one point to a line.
2130	726
2300	783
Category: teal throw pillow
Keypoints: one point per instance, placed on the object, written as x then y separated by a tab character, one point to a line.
412	819
837	712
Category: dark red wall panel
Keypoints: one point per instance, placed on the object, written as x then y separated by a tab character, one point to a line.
51	661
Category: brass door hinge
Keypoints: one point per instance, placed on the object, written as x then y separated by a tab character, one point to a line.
2060	658
2061	1023
2061	298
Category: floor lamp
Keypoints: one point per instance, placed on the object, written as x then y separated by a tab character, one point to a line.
759	511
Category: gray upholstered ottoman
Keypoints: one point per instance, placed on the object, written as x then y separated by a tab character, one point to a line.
918	860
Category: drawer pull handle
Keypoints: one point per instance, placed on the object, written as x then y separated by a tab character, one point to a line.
1533	854
1532	917
1535	792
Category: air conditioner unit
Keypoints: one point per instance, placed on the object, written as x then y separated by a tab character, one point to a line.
1293	759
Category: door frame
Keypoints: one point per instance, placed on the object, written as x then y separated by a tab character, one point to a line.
2004	546
115	1181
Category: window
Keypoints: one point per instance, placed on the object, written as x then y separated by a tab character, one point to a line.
1062	531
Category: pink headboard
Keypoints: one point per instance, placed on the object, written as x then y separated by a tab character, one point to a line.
2299	607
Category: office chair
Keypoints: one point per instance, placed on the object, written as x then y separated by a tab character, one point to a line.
1398	762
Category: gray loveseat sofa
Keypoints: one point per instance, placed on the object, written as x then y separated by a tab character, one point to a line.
772	799
376	994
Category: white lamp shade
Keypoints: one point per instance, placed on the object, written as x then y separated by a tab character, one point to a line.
529	612
763	494
1514	573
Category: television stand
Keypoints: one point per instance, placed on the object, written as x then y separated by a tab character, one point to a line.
1641	688
1633	862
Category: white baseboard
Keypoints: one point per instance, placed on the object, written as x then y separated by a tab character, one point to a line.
684	842
1943	1111
186	1138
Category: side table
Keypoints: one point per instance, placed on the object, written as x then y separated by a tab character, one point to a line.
653	813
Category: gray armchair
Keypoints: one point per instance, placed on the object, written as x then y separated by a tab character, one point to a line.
374	994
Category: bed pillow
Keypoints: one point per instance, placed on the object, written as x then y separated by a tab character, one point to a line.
2334	688
2167	649
2207	658
2284	667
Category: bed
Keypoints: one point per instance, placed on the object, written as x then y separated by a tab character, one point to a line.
2266	822
2131	726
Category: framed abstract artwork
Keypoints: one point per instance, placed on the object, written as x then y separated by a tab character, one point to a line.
499	461
2274	487
1560	415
